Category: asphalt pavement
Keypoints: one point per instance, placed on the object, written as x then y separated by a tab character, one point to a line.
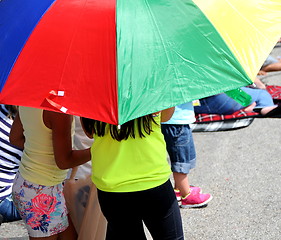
242	170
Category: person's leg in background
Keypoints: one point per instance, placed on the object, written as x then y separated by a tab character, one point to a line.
271	64
8	210
218	104
264	102
181	150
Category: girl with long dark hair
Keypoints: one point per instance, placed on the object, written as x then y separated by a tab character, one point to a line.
131	173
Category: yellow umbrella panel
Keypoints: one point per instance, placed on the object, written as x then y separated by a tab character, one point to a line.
250	28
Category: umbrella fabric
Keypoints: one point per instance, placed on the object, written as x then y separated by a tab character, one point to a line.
116	60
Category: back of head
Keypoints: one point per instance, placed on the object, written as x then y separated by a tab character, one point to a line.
136	127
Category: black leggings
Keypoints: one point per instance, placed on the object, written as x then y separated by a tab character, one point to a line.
156	207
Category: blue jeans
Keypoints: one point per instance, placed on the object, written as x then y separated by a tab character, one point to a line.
8	210
180	147
224	105
157	208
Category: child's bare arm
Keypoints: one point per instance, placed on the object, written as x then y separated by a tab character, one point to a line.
167	114
65	156
16	134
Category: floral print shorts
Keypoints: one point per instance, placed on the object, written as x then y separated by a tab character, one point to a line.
42	208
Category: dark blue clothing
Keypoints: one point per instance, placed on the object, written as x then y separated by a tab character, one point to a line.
8	210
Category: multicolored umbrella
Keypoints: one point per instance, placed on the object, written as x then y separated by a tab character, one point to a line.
116	60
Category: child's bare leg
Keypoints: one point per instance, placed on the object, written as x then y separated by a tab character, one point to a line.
182	183
272	67
259	83
54	237
70	233
261	72
266	110
250	108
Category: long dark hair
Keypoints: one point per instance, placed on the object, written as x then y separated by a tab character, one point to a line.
12	111
138	126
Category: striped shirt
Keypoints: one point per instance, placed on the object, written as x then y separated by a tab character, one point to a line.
9	155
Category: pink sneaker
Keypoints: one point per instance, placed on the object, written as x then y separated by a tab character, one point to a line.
192	190
178	194
194	200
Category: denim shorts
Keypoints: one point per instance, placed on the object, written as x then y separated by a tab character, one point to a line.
180	147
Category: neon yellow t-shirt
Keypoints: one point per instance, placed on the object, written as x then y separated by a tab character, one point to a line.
131	165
